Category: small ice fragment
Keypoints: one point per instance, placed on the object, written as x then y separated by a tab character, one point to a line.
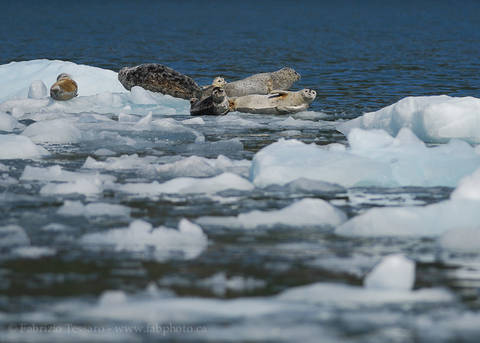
394	272
37	90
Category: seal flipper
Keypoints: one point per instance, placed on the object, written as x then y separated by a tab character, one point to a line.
279	91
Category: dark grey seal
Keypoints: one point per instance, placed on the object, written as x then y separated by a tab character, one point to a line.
215	104
159	78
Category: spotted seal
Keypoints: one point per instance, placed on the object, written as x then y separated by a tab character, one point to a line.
159	78
215	104
263	83
277	102
217	82
64	89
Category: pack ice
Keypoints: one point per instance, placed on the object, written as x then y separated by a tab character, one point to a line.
432	118
374	158
456	219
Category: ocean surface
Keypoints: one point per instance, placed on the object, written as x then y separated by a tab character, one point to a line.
67	275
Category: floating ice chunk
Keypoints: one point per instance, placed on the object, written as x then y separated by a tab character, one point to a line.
463	239
189	239
103	152
187	185
8	123
303	185
80	186
347	296
196	166
431	118
220	283
432	220
468	187
306	212
310	115
374	159
16	77
15	146
394	272
56	173
289	133
120	163
33	252
76	208
13	235
56	131
235	121
194	121
290	122
37	90
141	96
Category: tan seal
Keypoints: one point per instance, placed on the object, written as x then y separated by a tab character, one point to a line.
64	89
277	102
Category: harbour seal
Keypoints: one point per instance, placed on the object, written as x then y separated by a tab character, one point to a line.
277	102
263	83
217	82
159	78
64	89
215	104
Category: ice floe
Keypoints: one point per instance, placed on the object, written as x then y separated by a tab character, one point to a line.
374	159
459	212
56	131
189	185
188	241
394	272
20	147
18	76
462	239
9	123
431	118
77	208
305	212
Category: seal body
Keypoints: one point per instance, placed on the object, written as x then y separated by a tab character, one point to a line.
161	79
64	89
263	83
277	102
215	104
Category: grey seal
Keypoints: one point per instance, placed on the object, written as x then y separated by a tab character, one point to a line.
263	83
64	89
215	104
277	102
159	78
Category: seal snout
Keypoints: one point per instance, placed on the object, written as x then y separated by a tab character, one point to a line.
218	94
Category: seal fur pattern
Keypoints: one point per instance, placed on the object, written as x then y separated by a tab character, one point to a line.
159	78
278	102
215	104
263	83
64	89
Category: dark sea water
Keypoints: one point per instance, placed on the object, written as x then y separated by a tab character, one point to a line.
359	56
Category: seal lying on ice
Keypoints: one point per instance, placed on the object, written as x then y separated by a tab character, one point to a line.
277	102
159	78
263	83
217	82
215	104
64	89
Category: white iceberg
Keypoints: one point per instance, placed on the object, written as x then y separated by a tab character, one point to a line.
374	159
77	208
189	185
305	212
19	147
394	272
16	77
189	240
431	118
460	211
